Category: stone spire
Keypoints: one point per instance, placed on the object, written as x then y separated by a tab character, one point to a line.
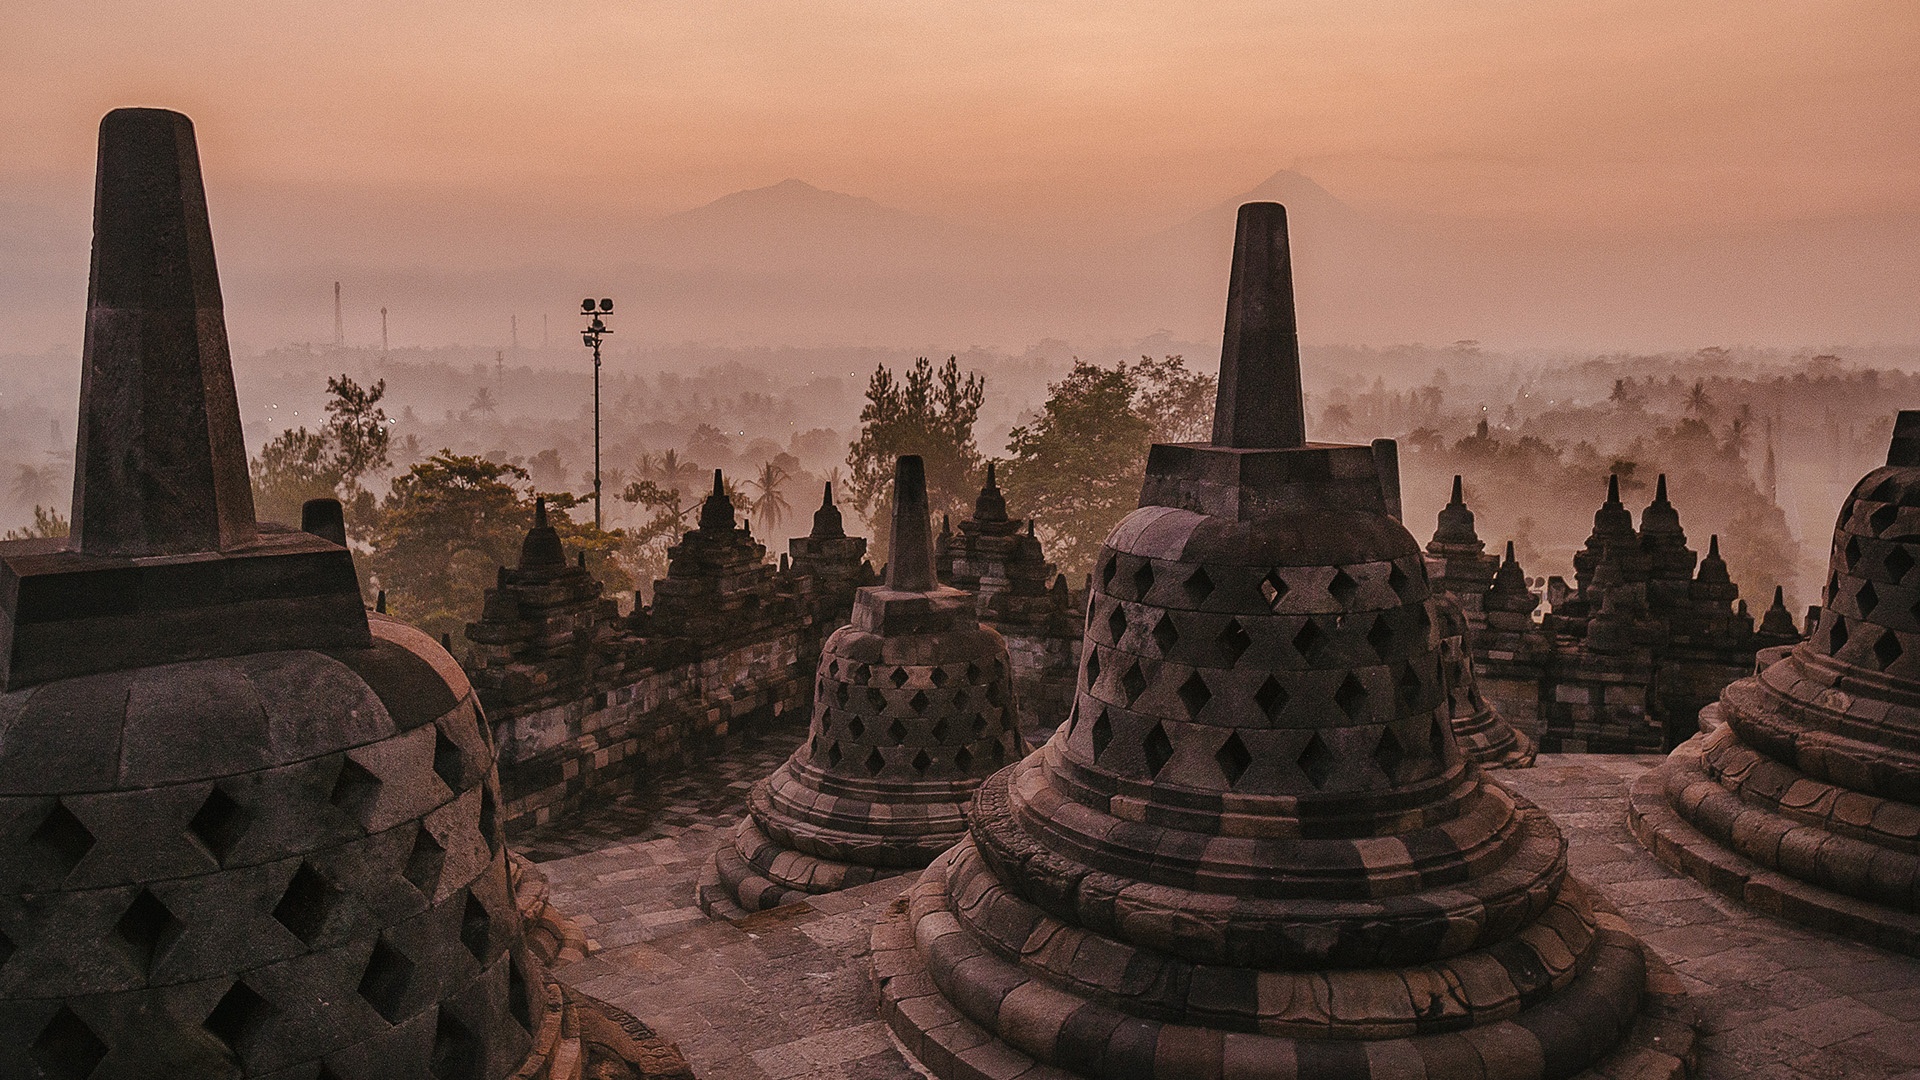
991	505
542	546
1777	623
716	514
1660	518
1612	529
910	541
1713	568
827	523
161	467
1509	591
1260	404
1456	521
1202	845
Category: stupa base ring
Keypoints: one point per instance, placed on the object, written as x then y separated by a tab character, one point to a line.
755	873
1557	1037
1686	848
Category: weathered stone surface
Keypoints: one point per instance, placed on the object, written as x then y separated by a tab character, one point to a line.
1801	793
1257	818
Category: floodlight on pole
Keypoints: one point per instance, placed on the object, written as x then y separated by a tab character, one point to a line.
596	329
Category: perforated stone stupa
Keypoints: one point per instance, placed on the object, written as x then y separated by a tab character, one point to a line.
1254	848
913	708
1461	573
1801	794
245	828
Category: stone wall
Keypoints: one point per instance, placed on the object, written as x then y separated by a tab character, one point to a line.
561	751
1046	668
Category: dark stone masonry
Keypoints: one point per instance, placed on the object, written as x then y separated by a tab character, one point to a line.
1288	821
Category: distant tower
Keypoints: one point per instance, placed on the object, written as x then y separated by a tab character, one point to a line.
383	332
514	322
339	324
1769	474
499	367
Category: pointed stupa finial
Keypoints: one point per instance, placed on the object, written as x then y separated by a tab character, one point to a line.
1259	404
716	514
1459	498
910	548
991	505
160	465
1613	487
1660	489
827	523
1456	521
324	518
1509	551
1713	546
541	549
1777	621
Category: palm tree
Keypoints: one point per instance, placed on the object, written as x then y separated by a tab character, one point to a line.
1699	405
770	506
675	474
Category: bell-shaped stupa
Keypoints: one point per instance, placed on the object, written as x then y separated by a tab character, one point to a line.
1801	794
913	708
1254	848
246	828
1485	737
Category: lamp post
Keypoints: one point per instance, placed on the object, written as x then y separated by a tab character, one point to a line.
596	329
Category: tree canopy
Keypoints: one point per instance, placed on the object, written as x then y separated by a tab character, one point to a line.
931	413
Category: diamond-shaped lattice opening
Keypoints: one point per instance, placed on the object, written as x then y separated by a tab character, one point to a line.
876	697
6	948
147	929
449	764
1838	634
898	678
1233	758
1343	588
897	731
863	674
921	762
355	789
833	753
1397	580
1158	749
1117	623
1134	682
979	725
424	862
519	999
961	697
1198	586
307	904
1165	634
1271	697
219	824
1143	579
1867	598
1316	760
999	752
1102	734
918	703
475	927
1107	570
1887	649
1882	519
875	761
1310	640
833	668
856	727
456	1049
842	693
963	759
1381	636
1093	666
973	673
61	839
1898	563
1351	697
239	1019
489	826
1390	755
1194	694
1852	551
938	676
1274	588
67	1049
940	730
387	979
1408	685
1234	640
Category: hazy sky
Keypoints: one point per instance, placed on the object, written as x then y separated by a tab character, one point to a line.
1012	112
384	133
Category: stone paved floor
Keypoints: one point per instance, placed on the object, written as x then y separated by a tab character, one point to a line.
787	994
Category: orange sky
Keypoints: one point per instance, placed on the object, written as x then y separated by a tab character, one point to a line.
1021	114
